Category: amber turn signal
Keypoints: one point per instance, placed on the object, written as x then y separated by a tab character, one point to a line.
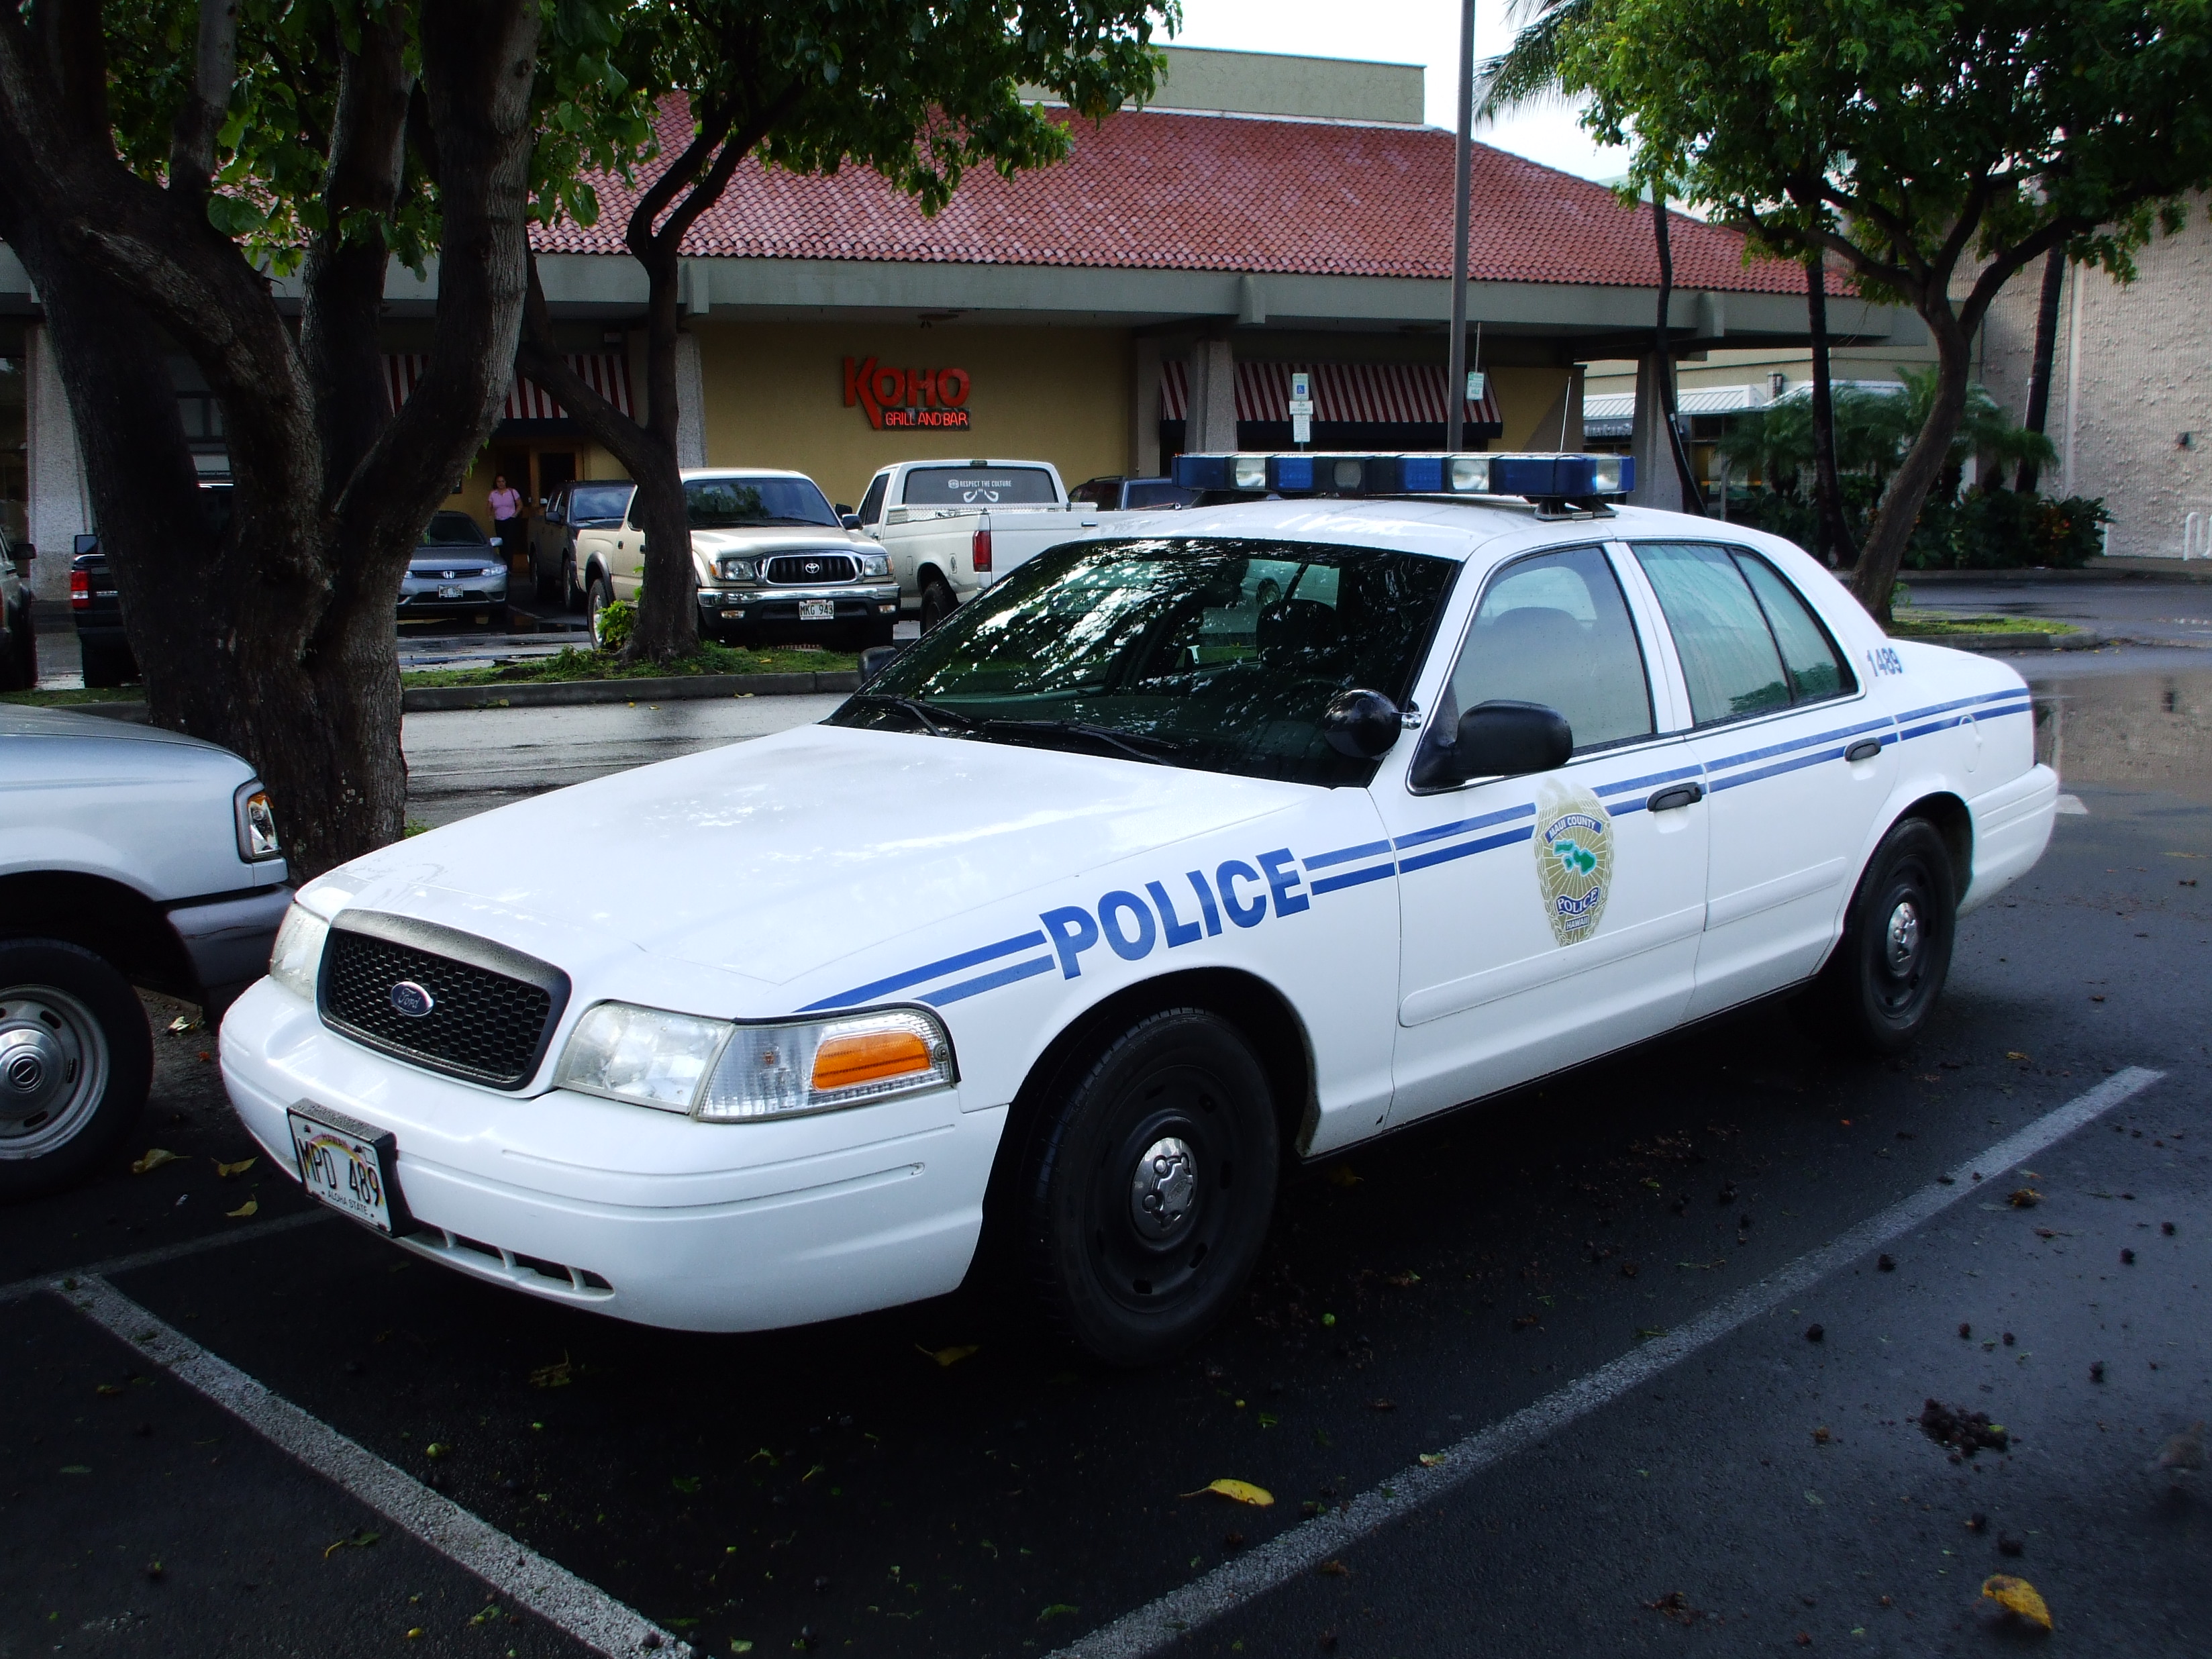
852	1058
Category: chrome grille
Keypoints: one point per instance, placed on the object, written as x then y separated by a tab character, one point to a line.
492	1010
799	568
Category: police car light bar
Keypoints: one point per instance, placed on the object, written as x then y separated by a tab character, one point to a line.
1537	476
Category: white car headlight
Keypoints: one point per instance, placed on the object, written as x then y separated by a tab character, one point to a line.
734	570
722	1073
296	959
875	564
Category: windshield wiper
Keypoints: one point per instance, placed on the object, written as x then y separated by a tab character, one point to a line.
1137	746
927	715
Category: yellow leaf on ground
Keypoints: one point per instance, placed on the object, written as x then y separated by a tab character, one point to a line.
1242	1491
1429	1459
224	1171
951	1356
249	1207
1341	1175
2017	1595
154	1158
2014	1053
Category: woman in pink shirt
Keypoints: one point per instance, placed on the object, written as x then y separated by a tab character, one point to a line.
505	516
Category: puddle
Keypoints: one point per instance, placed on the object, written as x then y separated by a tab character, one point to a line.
2150	731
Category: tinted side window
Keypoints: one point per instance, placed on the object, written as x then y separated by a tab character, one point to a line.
1816	668
1555	630
871	504
1728	656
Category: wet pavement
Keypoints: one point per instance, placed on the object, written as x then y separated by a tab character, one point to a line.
838	1490
2144	610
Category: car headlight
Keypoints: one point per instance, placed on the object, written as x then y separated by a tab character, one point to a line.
296	960
875	564
257	822
734	570
719	1072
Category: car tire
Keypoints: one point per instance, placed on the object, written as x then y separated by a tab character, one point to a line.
75	1061
597	598
1174	1111
937	604
1879	987
106	663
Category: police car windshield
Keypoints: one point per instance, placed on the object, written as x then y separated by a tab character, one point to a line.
1223	654
738	503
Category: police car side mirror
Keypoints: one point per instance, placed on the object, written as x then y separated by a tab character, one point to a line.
877	657
1506	739
1361	724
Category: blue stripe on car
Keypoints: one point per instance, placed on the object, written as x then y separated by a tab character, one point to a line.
1345	854
1444	855
990	982
1461	827
1005	947
1352	878
1751	755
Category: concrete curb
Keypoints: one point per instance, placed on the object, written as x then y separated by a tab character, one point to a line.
673	688
2003	643
557	694
2097	570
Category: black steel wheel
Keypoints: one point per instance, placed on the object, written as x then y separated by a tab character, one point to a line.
597	598
1149	1186
1880	985
75	1061
937	604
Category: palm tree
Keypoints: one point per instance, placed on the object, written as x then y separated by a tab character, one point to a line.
1531	71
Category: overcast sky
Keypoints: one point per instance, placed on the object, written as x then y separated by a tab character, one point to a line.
1425	32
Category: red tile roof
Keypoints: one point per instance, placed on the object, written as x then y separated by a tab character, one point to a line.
1155	190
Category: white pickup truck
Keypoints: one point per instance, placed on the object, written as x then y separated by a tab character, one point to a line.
952	528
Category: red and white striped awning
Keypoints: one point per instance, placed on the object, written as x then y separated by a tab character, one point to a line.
1400	393
607	372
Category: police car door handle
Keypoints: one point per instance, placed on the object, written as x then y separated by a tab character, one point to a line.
1674	795
1864	750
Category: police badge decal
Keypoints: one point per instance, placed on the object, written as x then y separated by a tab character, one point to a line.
1574	860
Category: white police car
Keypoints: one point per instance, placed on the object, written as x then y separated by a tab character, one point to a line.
1227	840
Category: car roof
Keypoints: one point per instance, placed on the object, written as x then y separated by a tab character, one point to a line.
691	472
1441	527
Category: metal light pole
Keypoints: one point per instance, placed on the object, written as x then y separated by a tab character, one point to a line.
1456	381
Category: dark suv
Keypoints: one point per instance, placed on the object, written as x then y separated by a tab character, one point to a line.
97	609
586	504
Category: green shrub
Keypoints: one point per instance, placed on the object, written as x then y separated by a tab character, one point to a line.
615	621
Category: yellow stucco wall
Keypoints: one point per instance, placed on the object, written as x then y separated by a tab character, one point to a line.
1528	406
775	396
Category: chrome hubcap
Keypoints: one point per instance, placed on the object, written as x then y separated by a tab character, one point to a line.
1902	937
1163	1188
54	1069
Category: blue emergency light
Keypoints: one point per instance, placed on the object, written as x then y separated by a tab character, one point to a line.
1542	478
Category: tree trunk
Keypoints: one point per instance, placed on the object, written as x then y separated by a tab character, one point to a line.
274	635
1923	465
1831	534
2046	350
668	604
1693	498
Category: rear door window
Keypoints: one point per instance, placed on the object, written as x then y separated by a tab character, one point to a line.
980	486
1749	643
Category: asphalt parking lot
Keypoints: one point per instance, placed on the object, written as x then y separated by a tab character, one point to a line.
1537	1378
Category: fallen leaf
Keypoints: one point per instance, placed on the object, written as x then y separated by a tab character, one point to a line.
1429	1459
1242	1491
1676	1606
1334	1570
436	1450
2017	1596
2014	1053
2024	1198
183	1023
1058	1609
1822	1435
154	1158
360	1541
416	1634
107	1387
951	1356
739	1645
555	1375
251	1206
1340	1175
224	1171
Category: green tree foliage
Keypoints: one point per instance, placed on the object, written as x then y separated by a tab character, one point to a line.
1932	146
1874	431
921	93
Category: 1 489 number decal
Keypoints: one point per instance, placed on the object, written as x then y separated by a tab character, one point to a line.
1883	659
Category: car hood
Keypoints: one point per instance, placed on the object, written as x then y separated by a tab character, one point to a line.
776	858
48	746
440	558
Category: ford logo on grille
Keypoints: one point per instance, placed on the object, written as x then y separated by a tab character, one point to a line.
412	999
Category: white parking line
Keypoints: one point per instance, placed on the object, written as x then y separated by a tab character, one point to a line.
1304	1547
161	1253
555	1595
